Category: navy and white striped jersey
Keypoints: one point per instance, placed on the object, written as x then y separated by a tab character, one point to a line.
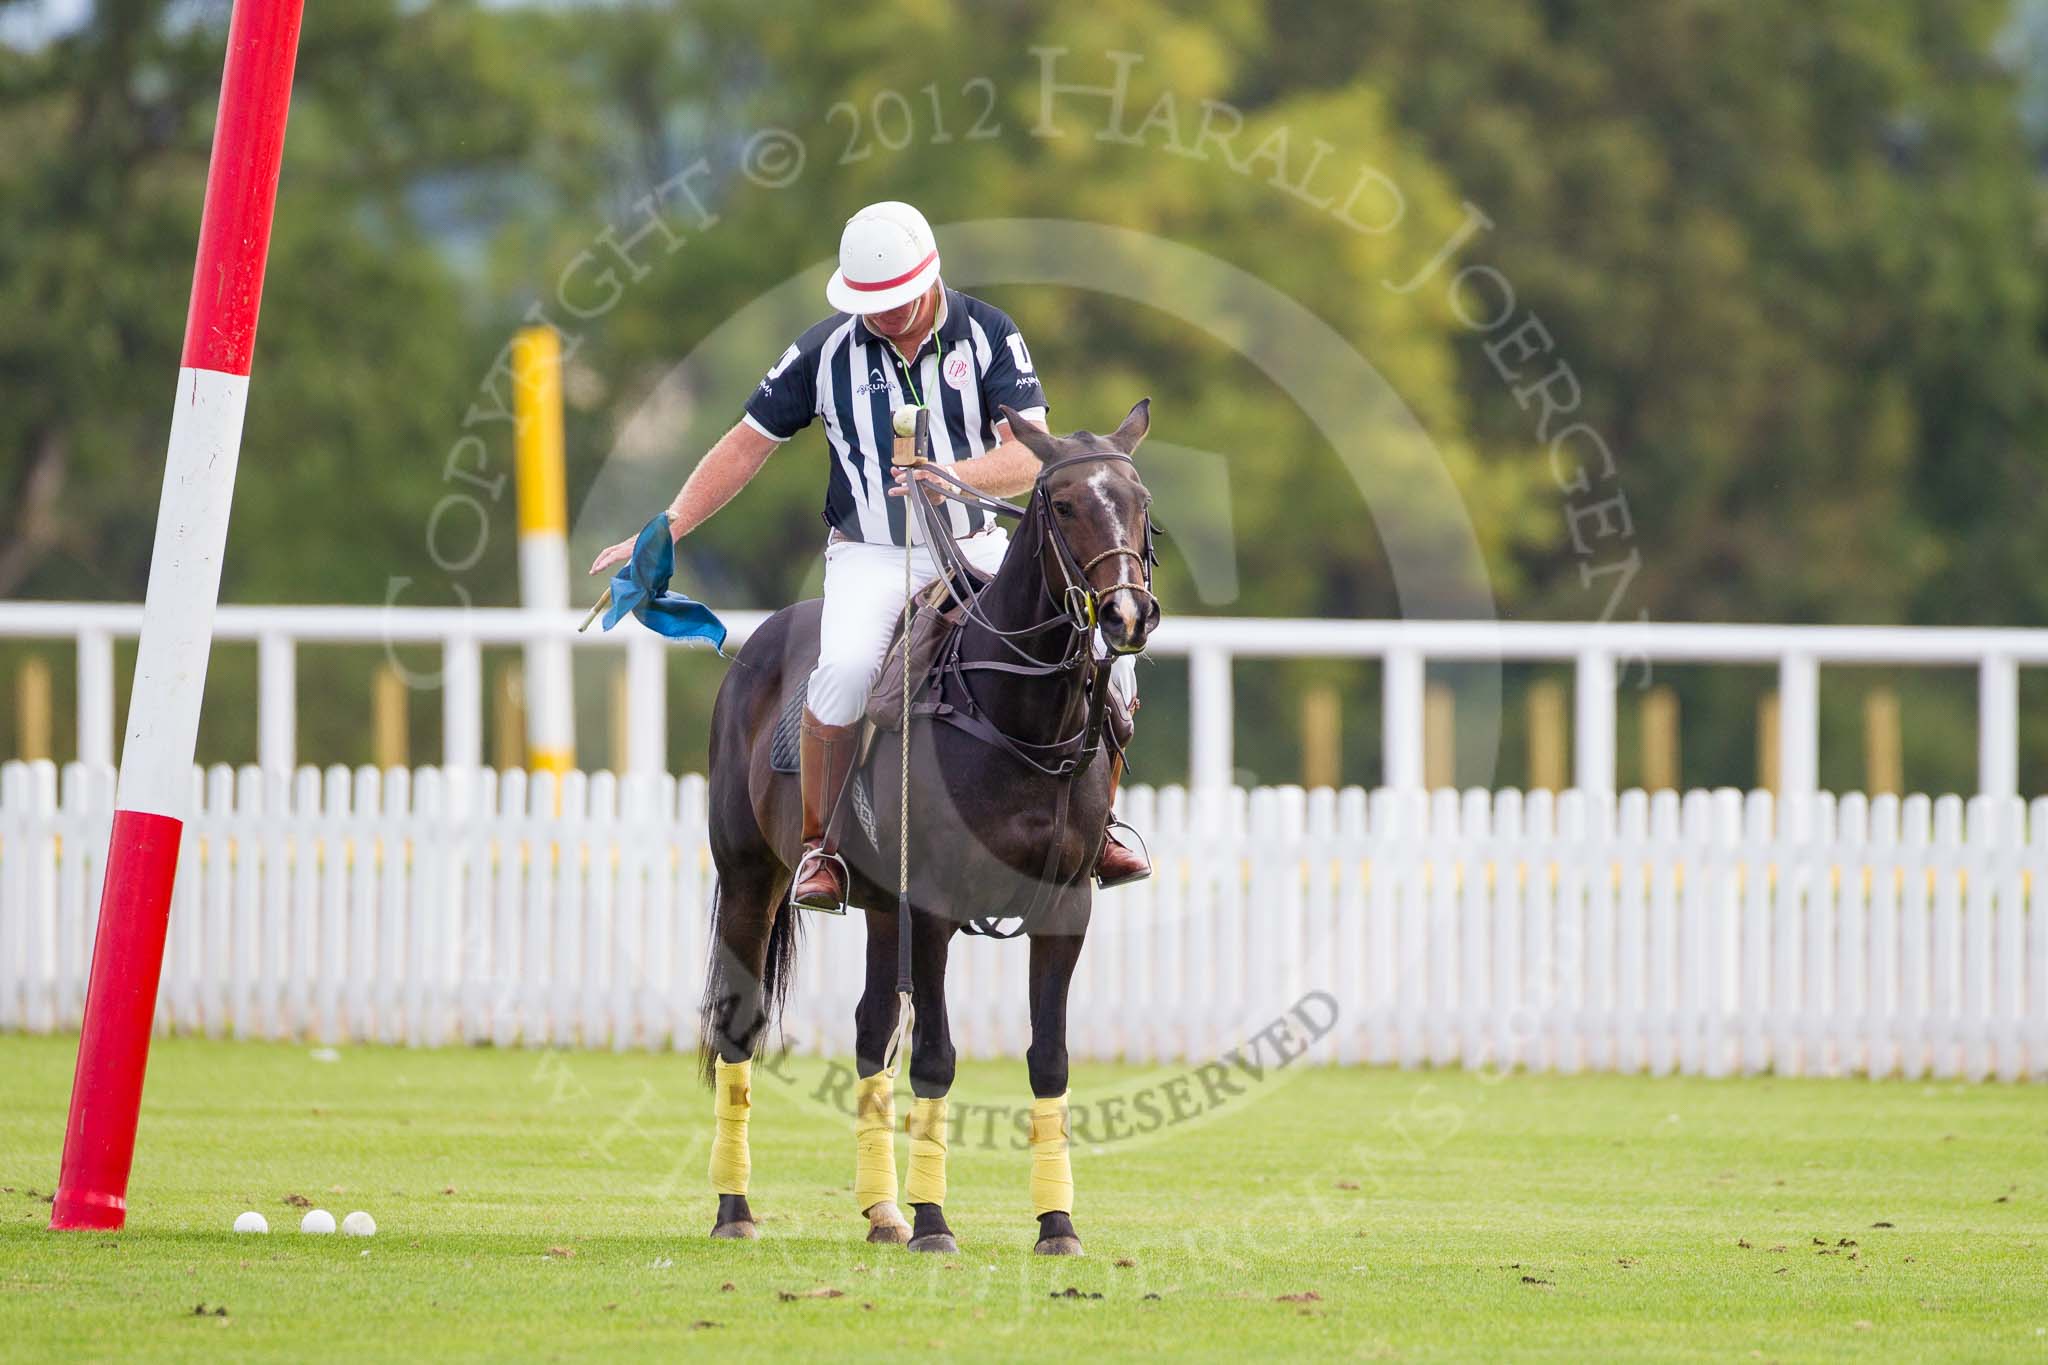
852	379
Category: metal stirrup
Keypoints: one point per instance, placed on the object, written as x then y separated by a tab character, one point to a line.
819	853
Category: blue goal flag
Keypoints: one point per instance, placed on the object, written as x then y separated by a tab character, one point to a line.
641	587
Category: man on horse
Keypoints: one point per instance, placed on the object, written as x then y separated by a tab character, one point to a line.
898	338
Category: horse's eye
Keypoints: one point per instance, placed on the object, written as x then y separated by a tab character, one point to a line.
1063	507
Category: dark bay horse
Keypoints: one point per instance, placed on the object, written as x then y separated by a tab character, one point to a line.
1009	792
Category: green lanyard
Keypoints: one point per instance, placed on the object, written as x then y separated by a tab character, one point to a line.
905	367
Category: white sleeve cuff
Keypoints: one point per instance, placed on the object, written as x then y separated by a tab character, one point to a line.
748	418
1035	416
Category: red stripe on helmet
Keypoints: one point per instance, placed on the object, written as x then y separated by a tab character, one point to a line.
905	278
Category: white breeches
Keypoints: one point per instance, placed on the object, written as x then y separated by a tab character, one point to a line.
863	603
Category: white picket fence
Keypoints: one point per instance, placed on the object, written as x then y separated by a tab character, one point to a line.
1712	934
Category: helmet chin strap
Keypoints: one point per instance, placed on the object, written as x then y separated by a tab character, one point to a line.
916	317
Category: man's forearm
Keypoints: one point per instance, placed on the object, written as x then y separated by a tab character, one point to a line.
1004	472
722	472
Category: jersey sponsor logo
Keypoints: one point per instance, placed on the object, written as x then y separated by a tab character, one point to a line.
876	382
959	371
1019	353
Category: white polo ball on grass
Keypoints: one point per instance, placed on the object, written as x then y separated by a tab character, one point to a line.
252	1221
359	1224
317	1220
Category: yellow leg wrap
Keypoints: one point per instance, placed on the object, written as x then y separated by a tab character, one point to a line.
927	1183
732	1101
1052	1174
874	1135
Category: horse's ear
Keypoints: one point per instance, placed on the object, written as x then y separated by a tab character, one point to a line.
1034	437
1133	428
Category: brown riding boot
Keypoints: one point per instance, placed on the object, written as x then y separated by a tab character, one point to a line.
825	754
1118	863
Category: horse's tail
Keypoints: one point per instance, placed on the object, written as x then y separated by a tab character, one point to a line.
720	1009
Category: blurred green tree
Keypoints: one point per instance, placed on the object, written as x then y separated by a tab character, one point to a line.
1788	248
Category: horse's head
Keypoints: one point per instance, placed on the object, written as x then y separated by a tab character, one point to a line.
1096	547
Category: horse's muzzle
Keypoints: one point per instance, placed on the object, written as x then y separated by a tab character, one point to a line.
1127	624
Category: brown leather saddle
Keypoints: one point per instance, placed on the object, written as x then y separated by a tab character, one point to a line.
940	609
938	614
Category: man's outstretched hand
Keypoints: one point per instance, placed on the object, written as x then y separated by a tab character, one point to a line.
612	555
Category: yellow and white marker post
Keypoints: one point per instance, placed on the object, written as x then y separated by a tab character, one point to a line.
543	544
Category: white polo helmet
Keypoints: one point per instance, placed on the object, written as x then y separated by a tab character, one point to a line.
887	257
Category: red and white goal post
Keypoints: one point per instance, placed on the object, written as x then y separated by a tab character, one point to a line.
177	632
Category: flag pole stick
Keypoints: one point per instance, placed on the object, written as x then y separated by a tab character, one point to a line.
604	600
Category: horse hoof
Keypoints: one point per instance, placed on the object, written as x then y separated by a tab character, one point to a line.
941	1242
1058	1246
736	1232
886	1225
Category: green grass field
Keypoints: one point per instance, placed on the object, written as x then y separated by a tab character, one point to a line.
554	1205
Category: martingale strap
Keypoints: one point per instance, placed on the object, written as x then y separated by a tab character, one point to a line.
1091	743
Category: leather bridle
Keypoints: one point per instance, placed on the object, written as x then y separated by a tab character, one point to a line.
1081	600
1075	598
